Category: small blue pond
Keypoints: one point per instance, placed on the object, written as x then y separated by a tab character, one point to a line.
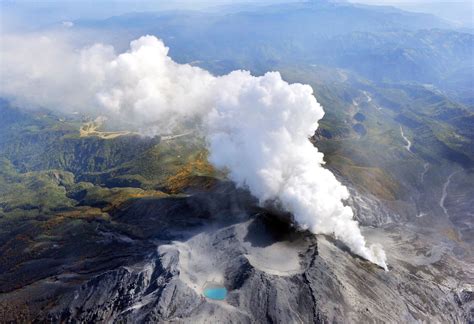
217	293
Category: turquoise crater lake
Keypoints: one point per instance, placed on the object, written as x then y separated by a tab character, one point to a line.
217	293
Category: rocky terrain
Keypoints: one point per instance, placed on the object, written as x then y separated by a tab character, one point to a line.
273	273
113	242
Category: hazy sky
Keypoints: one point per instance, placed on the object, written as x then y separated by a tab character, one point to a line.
14	13
460	12
406	1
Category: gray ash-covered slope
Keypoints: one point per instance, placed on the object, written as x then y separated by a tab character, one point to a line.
273	273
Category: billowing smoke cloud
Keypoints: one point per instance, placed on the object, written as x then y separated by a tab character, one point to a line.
142	86
256	127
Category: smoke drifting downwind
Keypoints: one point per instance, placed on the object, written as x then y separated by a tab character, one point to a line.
256	127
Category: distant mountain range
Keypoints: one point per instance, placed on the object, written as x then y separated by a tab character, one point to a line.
379	43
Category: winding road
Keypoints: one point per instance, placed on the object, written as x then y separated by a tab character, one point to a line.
445	193
408	146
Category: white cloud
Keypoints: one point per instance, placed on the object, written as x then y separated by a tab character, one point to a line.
68	24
